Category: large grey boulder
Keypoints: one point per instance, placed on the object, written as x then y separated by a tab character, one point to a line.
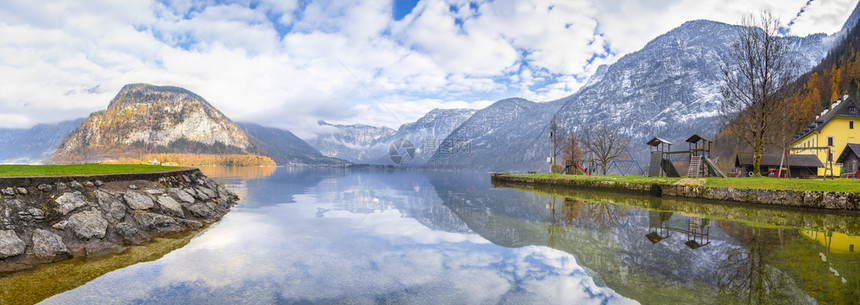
47	244
183	196
111	205
170	206
201	210
156	222
138	200
9	191
88	224
131	233
11	244
69	202
204	193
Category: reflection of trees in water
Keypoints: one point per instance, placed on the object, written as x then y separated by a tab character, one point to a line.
704	261
566	212
744	275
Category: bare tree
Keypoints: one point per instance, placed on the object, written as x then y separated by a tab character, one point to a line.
759	66
604	144
557	137
572	152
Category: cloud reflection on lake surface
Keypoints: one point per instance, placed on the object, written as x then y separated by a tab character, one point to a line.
328	236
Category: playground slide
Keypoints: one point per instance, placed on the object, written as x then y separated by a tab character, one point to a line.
713	167
669	169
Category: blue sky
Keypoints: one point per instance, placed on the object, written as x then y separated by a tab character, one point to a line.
290	63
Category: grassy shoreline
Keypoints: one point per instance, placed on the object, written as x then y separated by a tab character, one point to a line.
78	169
763	183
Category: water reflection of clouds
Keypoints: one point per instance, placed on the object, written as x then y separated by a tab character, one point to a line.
285	253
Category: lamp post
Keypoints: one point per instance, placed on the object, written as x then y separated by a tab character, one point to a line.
552	153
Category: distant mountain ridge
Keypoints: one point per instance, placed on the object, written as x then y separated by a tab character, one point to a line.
506	135
36	144
669	88
144	118
285	148
426	134
348	142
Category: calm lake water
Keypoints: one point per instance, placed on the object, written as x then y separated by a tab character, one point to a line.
302	236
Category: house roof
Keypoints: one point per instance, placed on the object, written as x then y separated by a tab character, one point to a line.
842	109
850	148
696	138
772	160
657	141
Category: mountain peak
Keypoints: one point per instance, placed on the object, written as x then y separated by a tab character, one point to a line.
138	93
852	19
147	118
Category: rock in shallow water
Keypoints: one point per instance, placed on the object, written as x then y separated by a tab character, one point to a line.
130	233
157	222
47	244
11	244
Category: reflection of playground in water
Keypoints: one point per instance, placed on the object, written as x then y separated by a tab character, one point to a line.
669	251
696	230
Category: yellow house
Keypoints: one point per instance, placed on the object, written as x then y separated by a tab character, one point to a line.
834	129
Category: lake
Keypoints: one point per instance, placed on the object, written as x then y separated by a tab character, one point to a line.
308	236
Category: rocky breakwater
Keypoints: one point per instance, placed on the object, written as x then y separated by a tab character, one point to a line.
47	219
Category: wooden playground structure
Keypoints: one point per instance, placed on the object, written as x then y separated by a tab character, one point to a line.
698	154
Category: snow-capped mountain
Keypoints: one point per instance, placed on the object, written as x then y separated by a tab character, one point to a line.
347	142
426	135
670	88
506	135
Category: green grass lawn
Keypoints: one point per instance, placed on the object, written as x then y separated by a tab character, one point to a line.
77	169
630	179
828	185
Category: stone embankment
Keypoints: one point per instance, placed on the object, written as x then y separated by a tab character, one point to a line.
786	198
47	219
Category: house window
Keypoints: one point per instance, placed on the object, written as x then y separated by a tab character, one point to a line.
851	125
829	141
851	140
852	109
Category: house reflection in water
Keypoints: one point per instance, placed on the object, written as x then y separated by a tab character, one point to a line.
660	224
834	242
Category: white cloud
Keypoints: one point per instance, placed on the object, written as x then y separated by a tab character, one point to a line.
285	64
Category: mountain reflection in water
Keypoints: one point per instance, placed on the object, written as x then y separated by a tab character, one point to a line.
341	236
